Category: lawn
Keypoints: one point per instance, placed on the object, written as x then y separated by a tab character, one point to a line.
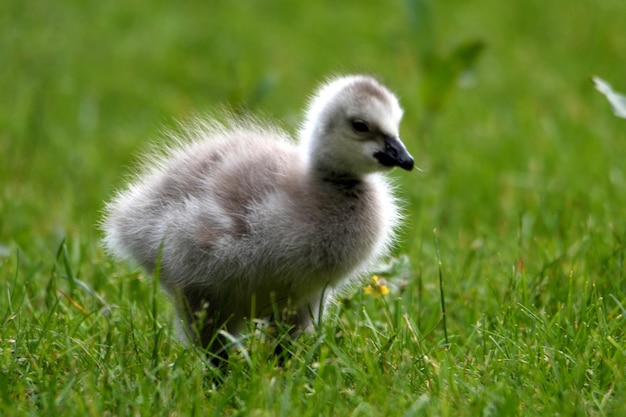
520	212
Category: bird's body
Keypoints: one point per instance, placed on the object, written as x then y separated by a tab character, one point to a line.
246	222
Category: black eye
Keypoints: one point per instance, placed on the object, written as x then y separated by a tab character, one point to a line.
360	126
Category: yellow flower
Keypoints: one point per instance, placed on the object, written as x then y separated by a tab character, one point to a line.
377	287
384	290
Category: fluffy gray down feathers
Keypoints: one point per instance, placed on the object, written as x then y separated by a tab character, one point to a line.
247	222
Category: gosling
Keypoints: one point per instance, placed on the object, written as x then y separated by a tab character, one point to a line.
241	222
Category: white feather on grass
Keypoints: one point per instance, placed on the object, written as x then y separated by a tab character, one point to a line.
617	100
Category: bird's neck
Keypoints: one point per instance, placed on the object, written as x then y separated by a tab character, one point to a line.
327	171
328	176
325	167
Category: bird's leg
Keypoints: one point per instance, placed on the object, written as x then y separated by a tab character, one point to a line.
203	318
294	321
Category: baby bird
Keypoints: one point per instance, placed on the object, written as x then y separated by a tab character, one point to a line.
242	222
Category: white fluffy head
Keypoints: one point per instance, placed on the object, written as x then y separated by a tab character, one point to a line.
347	122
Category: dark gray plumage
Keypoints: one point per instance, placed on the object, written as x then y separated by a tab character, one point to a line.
249	222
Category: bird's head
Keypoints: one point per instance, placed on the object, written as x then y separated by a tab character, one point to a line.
352	127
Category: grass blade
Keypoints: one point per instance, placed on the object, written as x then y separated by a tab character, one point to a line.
441	290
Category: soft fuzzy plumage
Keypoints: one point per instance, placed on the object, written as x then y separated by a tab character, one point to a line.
248	223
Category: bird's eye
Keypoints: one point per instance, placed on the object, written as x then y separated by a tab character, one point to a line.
360	126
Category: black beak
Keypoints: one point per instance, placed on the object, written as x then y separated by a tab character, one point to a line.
395	154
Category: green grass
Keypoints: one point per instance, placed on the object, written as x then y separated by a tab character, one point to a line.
525	184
